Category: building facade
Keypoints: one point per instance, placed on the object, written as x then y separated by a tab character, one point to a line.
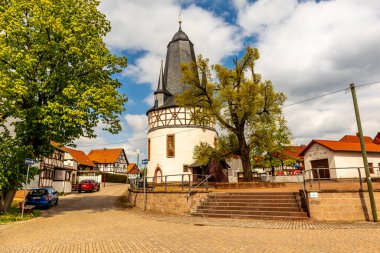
172	134
109	160
341	159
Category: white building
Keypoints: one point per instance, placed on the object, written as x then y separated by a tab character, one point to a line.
172	134
340	159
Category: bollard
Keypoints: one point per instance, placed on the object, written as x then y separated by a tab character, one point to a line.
182	182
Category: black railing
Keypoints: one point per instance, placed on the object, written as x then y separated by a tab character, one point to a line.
179	182
346	178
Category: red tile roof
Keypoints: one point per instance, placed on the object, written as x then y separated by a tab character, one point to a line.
377	139
132	168
105	155
354	138
292	152
344	146
79	156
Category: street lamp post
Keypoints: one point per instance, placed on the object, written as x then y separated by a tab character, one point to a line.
104	174
28	162
145	161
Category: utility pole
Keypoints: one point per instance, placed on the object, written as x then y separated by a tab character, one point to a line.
364	154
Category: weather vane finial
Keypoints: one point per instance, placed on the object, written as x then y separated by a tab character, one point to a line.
180	20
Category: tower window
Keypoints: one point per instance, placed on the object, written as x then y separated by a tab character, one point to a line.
148	149
170	145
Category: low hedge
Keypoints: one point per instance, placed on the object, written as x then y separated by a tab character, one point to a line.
113	178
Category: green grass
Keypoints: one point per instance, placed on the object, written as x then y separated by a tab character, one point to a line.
13	215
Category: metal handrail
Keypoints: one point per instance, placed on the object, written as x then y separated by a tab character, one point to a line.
207	177
302	184
318	177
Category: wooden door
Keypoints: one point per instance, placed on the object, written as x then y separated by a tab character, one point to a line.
323	165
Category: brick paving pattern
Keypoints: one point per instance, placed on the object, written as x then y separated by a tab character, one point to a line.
90	223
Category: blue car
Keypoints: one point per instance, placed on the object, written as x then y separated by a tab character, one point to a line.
43	197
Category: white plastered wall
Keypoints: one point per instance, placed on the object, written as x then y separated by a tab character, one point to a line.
185	141
339	159
319	152
355	159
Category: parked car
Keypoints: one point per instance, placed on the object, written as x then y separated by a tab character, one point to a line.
88	185
43	197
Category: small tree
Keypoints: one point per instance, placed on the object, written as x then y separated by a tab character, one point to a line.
55	78
274	137
204	153
244	106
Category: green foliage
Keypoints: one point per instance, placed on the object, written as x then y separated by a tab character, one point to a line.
55	78
12	215
204	153
12	168
244	105
55	70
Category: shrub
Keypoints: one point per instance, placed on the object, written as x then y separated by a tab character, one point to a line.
114	178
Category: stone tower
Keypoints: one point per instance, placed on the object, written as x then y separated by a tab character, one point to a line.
172	135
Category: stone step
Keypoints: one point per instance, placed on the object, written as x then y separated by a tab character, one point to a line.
250	208
289	201
247	197
257	213
258	204
240	216
253	193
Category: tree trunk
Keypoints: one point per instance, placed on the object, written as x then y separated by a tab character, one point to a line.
6	199
245	159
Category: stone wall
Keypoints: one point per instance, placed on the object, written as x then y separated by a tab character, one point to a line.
348	206
167	202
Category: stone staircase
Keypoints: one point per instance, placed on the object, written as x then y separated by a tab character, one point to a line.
265	205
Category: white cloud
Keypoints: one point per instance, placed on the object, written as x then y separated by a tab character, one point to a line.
146	69
260	15
308	49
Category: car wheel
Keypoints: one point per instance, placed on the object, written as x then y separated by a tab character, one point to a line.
49	205
92	189
56	203
79	190
99	188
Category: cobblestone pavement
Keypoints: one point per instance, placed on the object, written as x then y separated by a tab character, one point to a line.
89	222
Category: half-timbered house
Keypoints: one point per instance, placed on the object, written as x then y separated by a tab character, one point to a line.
109	160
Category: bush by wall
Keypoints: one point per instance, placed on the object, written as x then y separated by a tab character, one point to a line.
114	178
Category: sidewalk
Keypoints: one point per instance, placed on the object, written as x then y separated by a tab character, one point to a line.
255	223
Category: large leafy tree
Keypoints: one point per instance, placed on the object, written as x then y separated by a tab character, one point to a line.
56	80
244	104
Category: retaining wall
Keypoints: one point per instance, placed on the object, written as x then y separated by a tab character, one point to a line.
348	206
166	202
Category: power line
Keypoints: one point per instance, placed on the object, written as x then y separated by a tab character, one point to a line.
330	93
133	140
295	103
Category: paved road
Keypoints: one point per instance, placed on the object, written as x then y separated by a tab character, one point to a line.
90	222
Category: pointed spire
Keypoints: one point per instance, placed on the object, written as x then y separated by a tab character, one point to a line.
161	85
180	21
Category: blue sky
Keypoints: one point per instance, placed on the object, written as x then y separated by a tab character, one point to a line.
307	48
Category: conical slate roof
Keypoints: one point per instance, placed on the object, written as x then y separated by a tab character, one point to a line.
179	50
160	85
